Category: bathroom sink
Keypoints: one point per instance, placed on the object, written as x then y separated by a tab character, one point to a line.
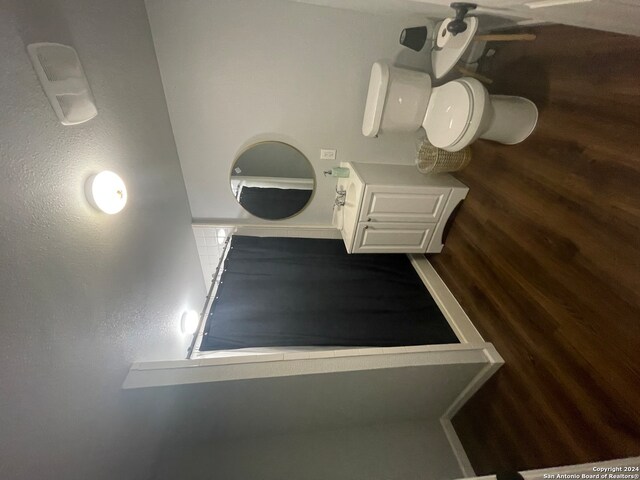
345	218
338	217
350	207
351	196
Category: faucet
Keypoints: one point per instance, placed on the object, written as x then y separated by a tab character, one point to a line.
341	198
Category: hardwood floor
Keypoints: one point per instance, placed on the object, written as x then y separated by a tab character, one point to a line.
545	258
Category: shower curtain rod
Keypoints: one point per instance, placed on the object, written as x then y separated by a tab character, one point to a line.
214	284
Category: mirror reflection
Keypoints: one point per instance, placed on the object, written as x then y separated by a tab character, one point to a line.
272	180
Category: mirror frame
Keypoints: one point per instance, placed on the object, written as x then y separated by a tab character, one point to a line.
313	176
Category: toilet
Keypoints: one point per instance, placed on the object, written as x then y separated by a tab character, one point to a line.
452	115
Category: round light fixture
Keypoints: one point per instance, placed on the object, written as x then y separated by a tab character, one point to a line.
221	235
107	192
189	322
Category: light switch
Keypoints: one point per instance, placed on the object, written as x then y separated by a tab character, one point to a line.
327	154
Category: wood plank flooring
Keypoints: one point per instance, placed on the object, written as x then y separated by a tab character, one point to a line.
545	257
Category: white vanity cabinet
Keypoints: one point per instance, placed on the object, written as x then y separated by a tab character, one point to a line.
395	209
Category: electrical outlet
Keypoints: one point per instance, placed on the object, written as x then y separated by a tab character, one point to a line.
326	154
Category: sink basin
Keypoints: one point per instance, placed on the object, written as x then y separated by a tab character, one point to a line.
350	211
338	217
351	196
349	208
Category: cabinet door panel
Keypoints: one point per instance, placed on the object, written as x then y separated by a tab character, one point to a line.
392	237
403	204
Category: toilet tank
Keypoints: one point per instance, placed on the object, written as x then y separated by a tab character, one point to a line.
397	100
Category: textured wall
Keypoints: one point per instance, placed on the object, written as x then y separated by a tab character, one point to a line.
397	451
239	71
84	294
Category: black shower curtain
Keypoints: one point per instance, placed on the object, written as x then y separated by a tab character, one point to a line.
277	292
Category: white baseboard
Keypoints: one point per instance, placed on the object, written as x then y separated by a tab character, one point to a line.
458	450
495	361
449	306
467	334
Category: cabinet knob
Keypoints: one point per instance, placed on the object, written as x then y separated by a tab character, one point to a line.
368	219
366	227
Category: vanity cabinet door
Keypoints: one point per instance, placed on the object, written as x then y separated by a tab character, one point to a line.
403	204
382	237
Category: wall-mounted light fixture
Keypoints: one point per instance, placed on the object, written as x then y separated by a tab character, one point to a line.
189	322
107	192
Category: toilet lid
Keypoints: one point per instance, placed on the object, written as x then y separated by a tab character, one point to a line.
447	118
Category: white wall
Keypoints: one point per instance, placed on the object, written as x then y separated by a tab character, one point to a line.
275	405
398	451
239	71
83	295
369	424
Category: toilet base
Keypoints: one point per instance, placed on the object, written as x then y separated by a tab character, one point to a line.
512	120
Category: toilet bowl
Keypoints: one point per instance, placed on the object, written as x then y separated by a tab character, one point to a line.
452	115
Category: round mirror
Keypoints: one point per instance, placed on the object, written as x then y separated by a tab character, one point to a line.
272	180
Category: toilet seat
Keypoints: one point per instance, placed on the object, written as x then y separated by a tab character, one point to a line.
448	114
457	115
